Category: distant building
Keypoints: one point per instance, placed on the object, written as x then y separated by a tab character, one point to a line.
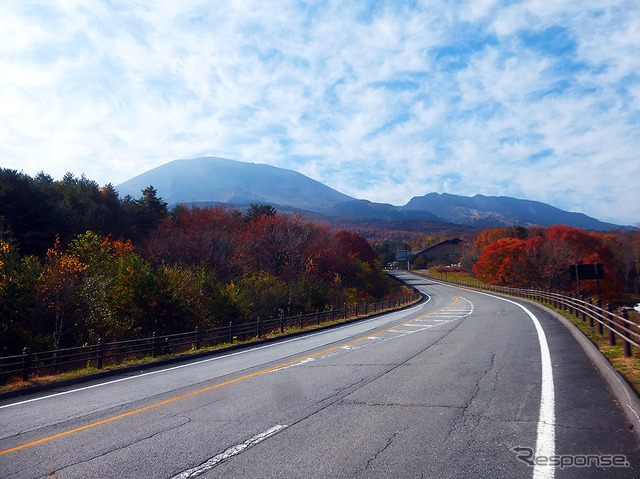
449	250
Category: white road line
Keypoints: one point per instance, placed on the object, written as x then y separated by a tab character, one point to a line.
230	452
304	361
545	441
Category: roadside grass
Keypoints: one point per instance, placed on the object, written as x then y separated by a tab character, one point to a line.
448	275
628	367
17	383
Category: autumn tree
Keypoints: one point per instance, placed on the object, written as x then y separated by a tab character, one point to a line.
626	247
58	288
542	260
473	250
192	236
501	262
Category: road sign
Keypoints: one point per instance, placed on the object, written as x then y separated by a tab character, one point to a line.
586	271
402	254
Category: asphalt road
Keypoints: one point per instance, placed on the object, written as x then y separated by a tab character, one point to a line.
462	385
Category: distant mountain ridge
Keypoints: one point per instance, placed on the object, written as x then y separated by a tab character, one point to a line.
482	210
211	180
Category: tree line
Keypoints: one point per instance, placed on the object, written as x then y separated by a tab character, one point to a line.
540	258
78	263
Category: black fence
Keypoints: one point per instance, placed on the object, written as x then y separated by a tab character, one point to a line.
24	366
618	327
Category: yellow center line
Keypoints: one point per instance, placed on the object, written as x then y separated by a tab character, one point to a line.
120	416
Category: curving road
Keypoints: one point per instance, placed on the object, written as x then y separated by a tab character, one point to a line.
462	385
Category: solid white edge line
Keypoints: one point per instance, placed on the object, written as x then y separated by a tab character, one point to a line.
195	363
229	452
545	441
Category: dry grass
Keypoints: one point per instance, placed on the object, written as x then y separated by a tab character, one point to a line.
450	274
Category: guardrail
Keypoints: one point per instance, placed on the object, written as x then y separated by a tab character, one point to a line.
24	366
617	326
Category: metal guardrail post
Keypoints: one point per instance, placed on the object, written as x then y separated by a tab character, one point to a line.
197	338
100	353
571	305
26	364
600	327
154	345
626	344
611	325
281	324
590	307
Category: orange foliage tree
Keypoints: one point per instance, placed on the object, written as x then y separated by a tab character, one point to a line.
542	260
58	287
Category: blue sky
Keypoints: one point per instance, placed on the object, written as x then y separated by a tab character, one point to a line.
381	100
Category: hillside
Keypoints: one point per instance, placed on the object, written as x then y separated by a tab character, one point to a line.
218	180
376	230
210	180
482	210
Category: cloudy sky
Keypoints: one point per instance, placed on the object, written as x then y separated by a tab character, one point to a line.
534	99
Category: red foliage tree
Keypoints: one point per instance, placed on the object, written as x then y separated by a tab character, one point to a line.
501	262
543	259
195	236
354	247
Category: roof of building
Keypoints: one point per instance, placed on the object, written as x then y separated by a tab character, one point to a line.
453	242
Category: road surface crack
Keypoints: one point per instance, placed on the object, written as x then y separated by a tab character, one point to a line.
380	451
186	420
463	420
391	404
337	396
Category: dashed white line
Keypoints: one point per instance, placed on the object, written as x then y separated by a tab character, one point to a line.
230	452
304	361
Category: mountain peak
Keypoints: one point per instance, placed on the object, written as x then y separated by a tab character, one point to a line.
220	180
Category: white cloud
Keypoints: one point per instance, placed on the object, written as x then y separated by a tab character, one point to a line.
382	104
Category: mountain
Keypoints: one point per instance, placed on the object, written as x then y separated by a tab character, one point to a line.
381	211
218	180
482	210
210	180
